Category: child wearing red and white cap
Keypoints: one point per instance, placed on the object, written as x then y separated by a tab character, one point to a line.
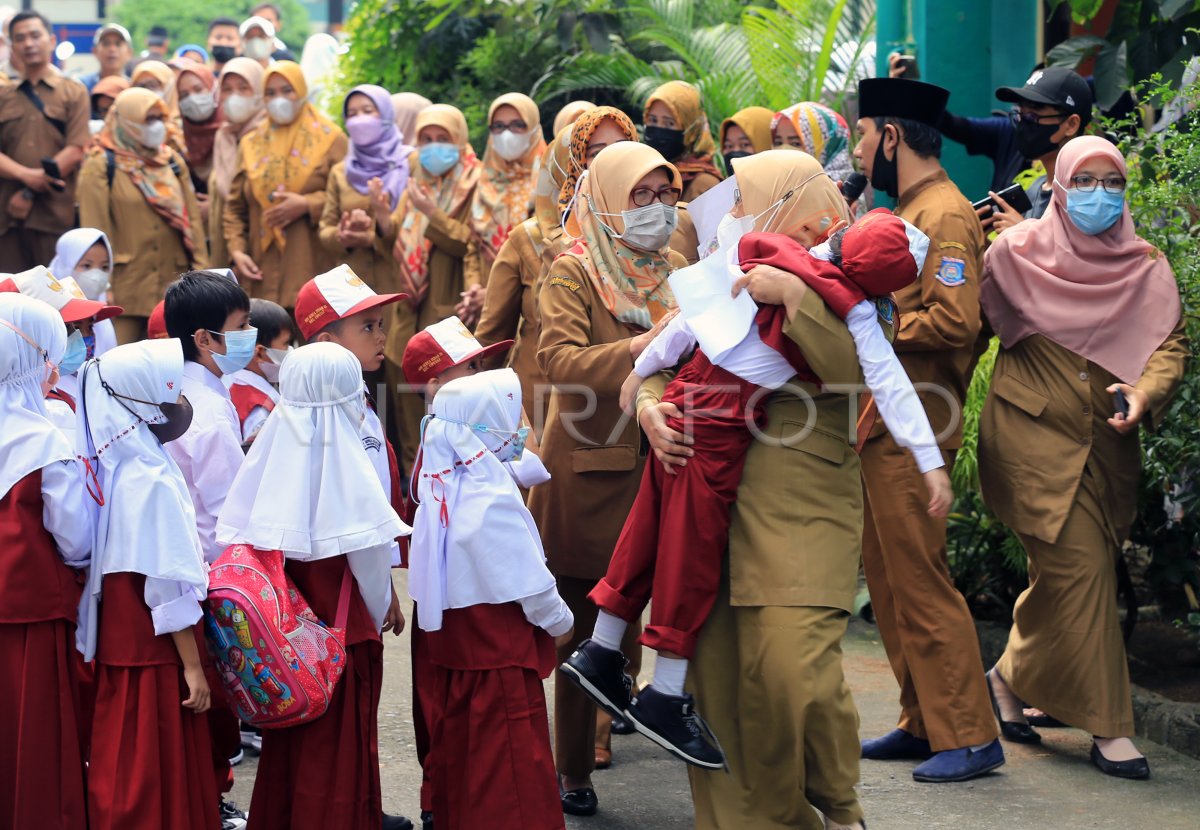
442	352
675	536
80	314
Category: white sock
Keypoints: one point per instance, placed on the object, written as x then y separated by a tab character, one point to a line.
609	630
669	674
982	746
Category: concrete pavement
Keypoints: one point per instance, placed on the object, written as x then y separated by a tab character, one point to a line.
1049	786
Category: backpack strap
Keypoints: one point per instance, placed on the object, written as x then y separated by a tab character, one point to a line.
110	161
343	609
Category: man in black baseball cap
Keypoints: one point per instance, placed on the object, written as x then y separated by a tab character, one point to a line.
1053	106
946	717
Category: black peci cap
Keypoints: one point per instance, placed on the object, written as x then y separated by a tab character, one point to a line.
1054	86
902	98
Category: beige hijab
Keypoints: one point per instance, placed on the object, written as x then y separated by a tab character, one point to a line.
226	143
790	193
408	106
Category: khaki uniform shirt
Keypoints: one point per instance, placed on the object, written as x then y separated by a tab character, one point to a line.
375	265
303	257
1045	419
148	254
595	460
27	137
939	313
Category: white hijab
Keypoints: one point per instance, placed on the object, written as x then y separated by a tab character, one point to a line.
28	441
146	524
307	487
71	247
474	542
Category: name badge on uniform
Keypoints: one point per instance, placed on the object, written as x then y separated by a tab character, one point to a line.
886	308
952	272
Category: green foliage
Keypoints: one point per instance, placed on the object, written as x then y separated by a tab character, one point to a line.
1164	169
187	21
1145	38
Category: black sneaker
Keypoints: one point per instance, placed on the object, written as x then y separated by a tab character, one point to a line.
426	820
396	823
672	723
231	817
620	726
600	672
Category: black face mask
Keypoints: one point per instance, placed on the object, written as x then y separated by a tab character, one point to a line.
223	54
667	142
178	415
1034	140
885	175
729	157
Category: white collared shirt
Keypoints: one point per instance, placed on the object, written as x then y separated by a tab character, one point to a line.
210	452
257	416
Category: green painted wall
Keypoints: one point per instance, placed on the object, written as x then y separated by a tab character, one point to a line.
971	47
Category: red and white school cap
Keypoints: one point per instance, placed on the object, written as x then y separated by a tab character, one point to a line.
333	296
441	346
156	325
64	294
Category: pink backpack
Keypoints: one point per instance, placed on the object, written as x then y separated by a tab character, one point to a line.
278	663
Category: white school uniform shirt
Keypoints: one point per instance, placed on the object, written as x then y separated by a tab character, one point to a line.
754	361
258	415
63	505
209	453
375	443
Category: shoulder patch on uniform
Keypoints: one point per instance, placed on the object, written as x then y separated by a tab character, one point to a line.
886	309
952	272
958	245
565	282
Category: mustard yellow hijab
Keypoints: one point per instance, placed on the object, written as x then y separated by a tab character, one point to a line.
755	123
631	283
284	155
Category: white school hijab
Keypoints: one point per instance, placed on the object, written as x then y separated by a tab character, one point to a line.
71	247
28	440
307	487
147	524
474	541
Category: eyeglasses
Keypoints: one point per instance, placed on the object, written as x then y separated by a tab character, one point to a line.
497	127
1111	184
1018	117
643	196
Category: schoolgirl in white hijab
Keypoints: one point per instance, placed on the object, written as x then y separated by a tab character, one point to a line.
304	488
474	541
69	254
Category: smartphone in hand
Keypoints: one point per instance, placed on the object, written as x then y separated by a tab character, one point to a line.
50	167
1121	403
1013	195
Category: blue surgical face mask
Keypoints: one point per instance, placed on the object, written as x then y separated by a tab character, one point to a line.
1094	212
75	354
514	441
239	348
438	157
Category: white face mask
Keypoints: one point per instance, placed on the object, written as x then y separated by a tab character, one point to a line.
510	146
647	228
95	125
93	282
258	48
282	110
271	370
198	107
239	108
152	134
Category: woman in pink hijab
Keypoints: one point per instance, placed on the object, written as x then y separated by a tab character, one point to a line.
1091	346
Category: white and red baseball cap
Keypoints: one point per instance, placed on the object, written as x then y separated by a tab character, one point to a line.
64	294
441	346
333	296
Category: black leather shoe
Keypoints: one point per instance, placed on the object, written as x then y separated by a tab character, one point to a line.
426	820
581	802
396	823
1012	731
600	672
1136	769
620	726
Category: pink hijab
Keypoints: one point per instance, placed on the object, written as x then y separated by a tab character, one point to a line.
1111	298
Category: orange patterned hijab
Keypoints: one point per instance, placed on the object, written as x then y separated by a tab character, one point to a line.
452	190
631	283
504	197
284	155
149	170
581	134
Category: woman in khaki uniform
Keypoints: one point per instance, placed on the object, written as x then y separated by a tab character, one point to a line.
597	305
676	126
368	182
510	305
768	668
278	191
1084	309
242	107
433	247
137	190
